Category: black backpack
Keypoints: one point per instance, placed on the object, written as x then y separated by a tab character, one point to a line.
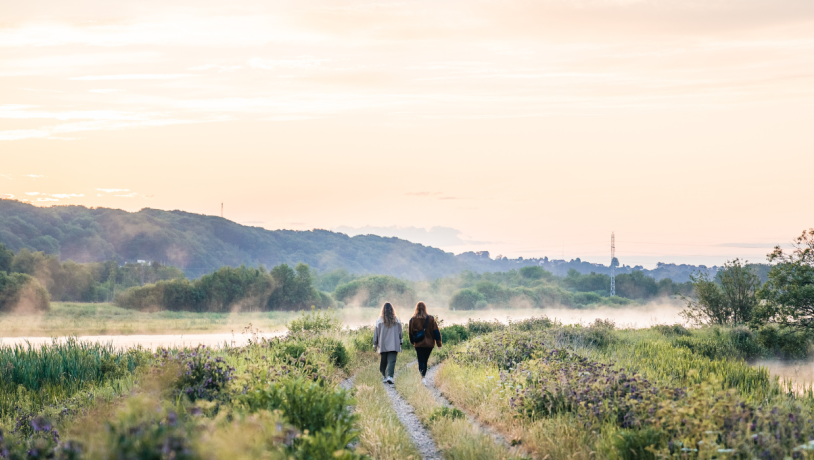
419	336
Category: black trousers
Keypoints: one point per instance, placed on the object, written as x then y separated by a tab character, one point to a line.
423	356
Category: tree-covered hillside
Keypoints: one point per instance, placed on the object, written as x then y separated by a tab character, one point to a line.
201	244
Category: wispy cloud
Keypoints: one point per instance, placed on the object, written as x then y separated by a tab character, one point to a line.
52	132
32	176
136	76
7	196
47	199
111	190
129	195
66	195
105	90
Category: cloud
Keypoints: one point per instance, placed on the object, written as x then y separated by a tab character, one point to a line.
105	90
111	190
440	237
7	196
94	125
302	62
22	112
136	76
32	176
66	195
748	245
47	199
422	193
129	195
6	176
220	68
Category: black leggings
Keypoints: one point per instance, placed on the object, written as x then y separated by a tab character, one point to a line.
423	356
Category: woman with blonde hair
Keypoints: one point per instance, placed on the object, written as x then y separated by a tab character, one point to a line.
424	335
387	339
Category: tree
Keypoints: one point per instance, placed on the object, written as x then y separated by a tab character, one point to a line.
788	295
729	299
6	257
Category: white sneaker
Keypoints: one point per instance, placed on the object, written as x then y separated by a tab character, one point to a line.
424	381
390	380
384	379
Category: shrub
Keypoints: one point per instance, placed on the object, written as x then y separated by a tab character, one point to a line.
315	321
638	444
478	327
783	341
306	405
452	413
362	339
669	330
202	377
142	434
373	291
22	292
467	299
454	334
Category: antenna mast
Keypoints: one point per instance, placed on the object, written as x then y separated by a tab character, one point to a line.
221	209
612	267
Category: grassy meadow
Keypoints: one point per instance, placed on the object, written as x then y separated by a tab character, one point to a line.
552	390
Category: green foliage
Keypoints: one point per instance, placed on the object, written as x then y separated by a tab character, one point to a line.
788	296
452	335
202	377
784	342
730	299
638	444
467	299
671	330
316	321
199	244
374	290
636	285
362	339
307	405
140	433
20	292
228	289
6	257
452	413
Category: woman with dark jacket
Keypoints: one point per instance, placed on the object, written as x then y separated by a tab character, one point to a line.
387	339
424	335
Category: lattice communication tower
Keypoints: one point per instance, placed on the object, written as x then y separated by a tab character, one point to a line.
613	267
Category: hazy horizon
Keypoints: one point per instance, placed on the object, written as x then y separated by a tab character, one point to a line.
524	128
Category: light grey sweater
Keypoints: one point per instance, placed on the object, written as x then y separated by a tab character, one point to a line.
387	338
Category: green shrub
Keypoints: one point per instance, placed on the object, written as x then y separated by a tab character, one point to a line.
374	290
637	444
20	292
467	299
330	443
144	435
315	321
447	412
201	376
783	342
454	334
670	330
362	339
478	327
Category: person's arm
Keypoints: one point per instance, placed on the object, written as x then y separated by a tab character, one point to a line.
401	334
436	333
376	335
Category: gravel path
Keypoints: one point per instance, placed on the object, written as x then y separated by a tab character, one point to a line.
441	399
420	436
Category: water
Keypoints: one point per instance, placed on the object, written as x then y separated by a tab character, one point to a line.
151	341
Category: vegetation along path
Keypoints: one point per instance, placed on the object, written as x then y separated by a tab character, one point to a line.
418	433
436	393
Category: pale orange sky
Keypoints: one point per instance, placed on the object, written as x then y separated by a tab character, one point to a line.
532	128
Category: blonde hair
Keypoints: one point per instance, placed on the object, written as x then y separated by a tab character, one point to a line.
420	310
388	315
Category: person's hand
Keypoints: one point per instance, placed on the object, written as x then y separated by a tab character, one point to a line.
440	345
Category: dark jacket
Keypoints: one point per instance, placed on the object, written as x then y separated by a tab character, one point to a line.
432	336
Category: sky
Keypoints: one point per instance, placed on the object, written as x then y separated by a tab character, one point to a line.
523	127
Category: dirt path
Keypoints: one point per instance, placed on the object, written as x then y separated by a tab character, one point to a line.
420	436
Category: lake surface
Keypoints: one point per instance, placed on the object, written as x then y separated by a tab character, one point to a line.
151	341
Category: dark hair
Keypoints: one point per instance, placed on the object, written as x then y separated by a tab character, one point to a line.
388	315
420	310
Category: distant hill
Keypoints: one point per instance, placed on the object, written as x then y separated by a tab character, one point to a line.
200	244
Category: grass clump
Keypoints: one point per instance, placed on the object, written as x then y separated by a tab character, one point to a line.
315	321
452	413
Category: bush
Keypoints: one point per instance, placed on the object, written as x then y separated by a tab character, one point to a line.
638	444
141	434
668	330
452	413
20	292
202	377
467	299
478	327
454	334
783	342
316	321
306	405
362	339
373	291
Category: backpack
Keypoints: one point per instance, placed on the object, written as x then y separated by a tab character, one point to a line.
419	336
